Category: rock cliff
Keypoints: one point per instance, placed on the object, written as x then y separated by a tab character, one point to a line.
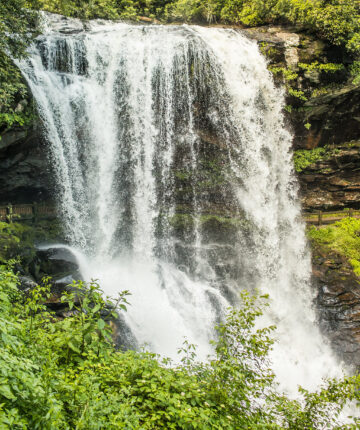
25	173
326	130
338	302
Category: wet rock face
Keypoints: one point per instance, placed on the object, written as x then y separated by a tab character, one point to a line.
338	303
25	174
63	24
59	263
335	115
334	119
333	183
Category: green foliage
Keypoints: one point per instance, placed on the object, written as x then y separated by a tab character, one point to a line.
355	72
305	157
108	9
323	67
66	374
337	21
184	10
17	22
17	240
85	9
11	89
289	76
334	20
298	94
343	237
317	92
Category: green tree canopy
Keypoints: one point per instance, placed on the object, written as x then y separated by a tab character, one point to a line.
18	22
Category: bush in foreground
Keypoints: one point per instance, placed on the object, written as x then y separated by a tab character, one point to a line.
66	374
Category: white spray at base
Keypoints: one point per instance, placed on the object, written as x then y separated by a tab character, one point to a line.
121	104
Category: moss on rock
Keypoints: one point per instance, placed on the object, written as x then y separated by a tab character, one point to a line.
342	237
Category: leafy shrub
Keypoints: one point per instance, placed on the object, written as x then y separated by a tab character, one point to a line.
17	22
355	72
17	240
336	20
305	157
323	67
66	374
84	9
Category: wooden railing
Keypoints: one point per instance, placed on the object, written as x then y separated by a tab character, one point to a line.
12	213
328	217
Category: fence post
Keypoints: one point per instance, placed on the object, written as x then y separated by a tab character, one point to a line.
9	213
351	212
319	217
34	212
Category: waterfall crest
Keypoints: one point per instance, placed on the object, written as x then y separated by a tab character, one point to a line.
175	181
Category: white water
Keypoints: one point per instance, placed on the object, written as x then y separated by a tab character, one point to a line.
119	103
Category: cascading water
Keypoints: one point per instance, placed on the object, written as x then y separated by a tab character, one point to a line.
160	136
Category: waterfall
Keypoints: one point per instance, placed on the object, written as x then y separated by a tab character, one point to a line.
175	181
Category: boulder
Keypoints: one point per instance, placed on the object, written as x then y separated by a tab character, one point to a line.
59	263
26	283
122	335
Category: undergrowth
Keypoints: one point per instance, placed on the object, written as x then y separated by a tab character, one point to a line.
67	374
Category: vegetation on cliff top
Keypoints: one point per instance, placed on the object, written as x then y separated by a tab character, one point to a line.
66	374
337	21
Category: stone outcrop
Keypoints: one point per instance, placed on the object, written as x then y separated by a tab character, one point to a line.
334	182
334	119
338	302
333	106
330	117
25	174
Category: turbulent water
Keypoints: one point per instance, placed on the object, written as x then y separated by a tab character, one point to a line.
133	116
